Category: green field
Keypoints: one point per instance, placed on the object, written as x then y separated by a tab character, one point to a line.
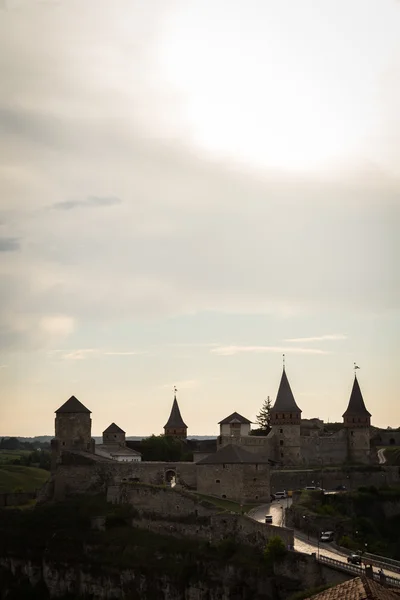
8	456
17	478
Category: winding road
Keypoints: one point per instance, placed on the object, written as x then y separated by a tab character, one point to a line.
381	456
302	542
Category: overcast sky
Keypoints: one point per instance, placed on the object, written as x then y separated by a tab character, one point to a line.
190	189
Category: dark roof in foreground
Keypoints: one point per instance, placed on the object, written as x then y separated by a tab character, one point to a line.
73	406
235	418
356	403
359	588
175	418
232	454
113	428
285	401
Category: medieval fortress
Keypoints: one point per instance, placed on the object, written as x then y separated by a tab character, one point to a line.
235	465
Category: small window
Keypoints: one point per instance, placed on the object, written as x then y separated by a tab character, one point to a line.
351	432
281	454
217	481
224	466
63	443
223	496
281	442
290	415
281	431
115	435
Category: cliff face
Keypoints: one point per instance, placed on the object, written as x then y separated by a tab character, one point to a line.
204	581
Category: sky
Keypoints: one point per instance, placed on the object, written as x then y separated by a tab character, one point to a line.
190	190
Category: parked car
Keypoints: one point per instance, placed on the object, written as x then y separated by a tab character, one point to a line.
327	536
341	488
268	518
354	559
280	495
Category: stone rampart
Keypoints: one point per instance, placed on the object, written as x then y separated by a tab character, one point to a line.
329	479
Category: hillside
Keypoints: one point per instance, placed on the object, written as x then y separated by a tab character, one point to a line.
26	479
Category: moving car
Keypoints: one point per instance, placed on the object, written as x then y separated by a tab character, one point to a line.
268	518
327	536
354	559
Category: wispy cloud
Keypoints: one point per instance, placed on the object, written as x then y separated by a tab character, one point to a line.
84	353
91	201
318	338
231	350
9	244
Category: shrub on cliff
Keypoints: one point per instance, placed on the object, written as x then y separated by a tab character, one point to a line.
275	551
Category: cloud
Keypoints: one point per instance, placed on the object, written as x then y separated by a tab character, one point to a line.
84	353
193	234
231	350
318	338
92	201
9	244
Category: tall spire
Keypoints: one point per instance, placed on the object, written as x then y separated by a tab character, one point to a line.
285	401
175	421
356	406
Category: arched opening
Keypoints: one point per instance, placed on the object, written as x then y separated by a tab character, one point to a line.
392	442
170	477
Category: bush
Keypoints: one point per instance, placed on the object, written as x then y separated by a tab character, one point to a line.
275	550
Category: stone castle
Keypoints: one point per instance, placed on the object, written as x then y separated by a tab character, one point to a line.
235	465
292	440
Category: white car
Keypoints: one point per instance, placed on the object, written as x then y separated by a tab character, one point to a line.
280	495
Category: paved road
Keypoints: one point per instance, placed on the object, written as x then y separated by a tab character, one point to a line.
381	456
302	542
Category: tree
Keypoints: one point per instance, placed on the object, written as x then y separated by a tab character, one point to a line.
264	418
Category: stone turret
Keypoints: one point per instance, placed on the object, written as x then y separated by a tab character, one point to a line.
73	429
285	424
357	421
175	425
114	435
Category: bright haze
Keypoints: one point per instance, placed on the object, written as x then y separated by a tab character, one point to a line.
188	191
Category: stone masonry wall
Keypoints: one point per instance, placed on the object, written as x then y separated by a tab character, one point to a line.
166	502
316	450
286	479
243	482
221	527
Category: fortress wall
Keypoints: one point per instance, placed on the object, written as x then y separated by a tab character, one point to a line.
330	479
324	450
243	483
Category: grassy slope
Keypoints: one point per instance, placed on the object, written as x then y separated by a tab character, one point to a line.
8	456
27	479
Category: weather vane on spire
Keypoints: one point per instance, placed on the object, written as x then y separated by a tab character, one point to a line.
283	358
175	390
355	368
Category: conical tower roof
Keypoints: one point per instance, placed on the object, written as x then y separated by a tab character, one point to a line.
175	418
73	405
356	406
285	401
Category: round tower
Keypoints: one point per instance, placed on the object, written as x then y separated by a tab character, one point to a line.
285	424
357	421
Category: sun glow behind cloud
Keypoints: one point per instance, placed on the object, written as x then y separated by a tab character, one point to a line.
288	85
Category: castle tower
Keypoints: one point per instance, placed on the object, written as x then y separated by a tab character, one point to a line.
114	435
357	421
175	425
285	424
73	426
